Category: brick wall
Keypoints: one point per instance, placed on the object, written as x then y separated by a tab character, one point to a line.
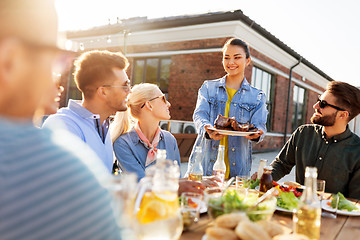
280	103
187	74
273	143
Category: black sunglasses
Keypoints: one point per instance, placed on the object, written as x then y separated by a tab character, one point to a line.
162	97
323	104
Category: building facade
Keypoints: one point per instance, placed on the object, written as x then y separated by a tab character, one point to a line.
180	53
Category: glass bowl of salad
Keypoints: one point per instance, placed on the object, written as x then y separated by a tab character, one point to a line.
238	200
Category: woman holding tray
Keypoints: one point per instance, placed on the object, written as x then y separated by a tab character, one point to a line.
230	96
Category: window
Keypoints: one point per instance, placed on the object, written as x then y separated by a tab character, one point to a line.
152	70
264	81
298	117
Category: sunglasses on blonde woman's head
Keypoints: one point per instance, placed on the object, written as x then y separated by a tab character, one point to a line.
161	96
324	104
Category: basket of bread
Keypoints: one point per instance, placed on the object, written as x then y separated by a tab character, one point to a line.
235	226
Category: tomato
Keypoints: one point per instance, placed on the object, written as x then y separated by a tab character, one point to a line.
287	189
297	194
192	203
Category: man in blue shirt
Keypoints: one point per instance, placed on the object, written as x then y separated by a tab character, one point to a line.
49	188
101	77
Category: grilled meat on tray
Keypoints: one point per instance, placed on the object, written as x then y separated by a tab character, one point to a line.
222	122
227	123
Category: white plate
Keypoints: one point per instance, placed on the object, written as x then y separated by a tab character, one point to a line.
203	208
328	208
204	237
232	133
283	209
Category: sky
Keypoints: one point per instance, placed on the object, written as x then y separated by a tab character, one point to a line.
325	32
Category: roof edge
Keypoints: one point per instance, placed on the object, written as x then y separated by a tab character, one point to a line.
143	24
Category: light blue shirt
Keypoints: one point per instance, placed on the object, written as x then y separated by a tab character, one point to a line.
131	151
247	105
51	186
86	125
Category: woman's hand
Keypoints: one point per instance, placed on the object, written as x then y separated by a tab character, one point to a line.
213	134
255	135
197	187
190	186
210	181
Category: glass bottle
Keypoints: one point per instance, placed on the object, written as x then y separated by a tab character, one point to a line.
196	171
160	156
160	160
219	167
307	216
262	164
266	181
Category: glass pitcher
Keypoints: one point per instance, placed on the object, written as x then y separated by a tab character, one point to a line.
157	212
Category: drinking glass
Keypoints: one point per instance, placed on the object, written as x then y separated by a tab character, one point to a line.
243	180
190	208
320	188
121	189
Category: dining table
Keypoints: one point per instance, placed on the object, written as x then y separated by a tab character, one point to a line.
343	227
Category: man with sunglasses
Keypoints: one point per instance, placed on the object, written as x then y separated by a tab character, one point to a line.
101	77
327	144
49	188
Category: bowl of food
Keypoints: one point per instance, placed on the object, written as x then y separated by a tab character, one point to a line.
238	200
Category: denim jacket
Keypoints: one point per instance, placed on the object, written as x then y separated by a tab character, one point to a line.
248	104
131	152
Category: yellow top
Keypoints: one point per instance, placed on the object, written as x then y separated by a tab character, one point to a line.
230	92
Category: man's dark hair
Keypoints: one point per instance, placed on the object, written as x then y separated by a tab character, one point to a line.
94	69
347	97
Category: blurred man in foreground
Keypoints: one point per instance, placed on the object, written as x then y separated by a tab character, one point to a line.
48	189
328	144
101	78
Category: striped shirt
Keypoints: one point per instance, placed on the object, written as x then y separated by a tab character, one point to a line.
50	188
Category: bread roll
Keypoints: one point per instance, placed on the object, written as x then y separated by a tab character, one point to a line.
210	238
217	233
293	236
230	220
242	233
247	230
273	228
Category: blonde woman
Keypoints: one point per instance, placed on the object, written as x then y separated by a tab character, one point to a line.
137	136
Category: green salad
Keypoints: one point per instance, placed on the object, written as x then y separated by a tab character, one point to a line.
344	204
232	201
287	200
251	184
